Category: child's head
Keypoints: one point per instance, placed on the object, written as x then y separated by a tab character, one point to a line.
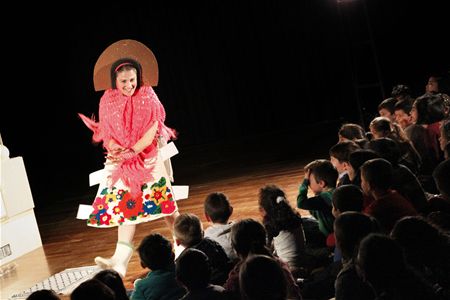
376	175
322	175
193	269
277	213
155	252
403	113
262	277
113	280
401	92
349	229
386	148
380	127
386	108
269	197
351	132
248	236
347	197
441	175
188	230
43	295
356	160
217	208
92	289
340	153
428	109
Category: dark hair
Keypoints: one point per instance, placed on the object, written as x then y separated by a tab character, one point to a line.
350	228
279	213
381	125
400	91
341	151
44	294
348	197
359	157
425	245
441	175
388	104
262	278
217	207
155	251
378	173
92	289
404	104
352	131
323	169
113	280
380	258
193	269
430	108
248	236
386	148
127	64
188	229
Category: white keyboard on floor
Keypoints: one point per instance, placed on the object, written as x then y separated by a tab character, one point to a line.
62	283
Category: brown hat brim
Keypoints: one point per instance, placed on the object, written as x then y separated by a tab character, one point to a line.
125	49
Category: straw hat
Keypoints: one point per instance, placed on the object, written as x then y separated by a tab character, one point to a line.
125	49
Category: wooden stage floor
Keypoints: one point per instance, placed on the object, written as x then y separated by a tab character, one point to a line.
69	243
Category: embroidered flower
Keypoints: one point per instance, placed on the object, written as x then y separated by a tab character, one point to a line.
105	218
121	220
100	205
167	207
117	210
151	208
158	194
120	194
130	207
110	198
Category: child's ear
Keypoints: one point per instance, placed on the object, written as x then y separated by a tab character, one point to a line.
231	210
177	242
322	184
345	165
143	265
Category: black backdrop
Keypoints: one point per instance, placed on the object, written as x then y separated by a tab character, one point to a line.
227	70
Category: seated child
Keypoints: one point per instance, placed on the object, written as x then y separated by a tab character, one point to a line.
188	232
194	273
388	205
218	211
155	253
284	229
321	177
339	157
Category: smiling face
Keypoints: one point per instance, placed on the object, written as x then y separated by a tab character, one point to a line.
402	118
126	82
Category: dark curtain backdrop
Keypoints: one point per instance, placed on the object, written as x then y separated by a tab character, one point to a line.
227	69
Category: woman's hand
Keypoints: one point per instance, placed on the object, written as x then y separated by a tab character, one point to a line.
120	154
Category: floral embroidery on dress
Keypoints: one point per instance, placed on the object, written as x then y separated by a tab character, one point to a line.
114	206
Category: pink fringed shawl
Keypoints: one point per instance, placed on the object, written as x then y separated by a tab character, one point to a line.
125	120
